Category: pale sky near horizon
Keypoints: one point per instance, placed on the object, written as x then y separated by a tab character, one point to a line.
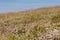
19	5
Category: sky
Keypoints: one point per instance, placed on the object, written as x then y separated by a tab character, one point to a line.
21	5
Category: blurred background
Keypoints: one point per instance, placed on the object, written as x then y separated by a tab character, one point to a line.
21	5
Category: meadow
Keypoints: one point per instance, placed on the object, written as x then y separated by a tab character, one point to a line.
38	24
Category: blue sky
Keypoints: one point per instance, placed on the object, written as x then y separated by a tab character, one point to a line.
19	5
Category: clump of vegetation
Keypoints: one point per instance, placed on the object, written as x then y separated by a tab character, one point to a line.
57	26
56	38
56	19
11	37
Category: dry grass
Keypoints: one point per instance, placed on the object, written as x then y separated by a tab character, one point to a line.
30	25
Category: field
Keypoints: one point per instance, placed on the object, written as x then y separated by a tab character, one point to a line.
38	24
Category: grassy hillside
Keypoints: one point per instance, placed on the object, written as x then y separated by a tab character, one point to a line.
39	24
